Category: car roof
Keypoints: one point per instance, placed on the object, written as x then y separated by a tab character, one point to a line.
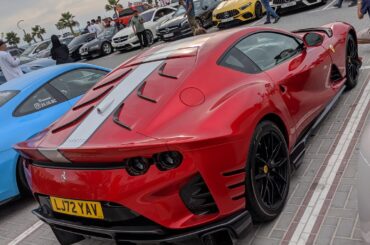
43	75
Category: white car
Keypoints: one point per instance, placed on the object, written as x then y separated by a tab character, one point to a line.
126	38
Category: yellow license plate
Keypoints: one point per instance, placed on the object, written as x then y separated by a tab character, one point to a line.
85	209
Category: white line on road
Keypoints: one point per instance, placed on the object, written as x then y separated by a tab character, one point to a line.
313	209
257	22
25	234
365	67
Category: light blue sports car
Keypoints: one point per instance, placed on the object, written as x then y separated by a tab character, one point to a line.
31	103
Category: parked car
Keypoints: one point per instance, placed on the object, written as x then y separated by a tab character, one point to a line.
46	53
178	26
33	50
363	185
126	38
29	65
31	103
193	139
15	51
126	14
290	5
99	46
237	11
77	42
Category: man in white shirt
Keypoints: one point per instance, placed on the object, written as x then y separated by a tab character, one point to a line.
9	64
90	28
97	27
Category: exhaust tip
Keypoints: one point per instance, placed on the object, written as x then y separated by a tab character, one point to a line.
219	237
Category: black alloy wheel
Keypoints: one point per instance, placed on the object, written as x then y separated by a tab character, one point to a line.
353	62
268	173
150	38
258	10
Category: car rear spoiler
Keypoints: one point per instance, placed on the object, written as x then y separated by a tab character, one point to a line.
328	31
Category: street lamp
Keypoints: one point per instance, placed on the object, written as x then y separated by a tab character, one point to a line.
19	27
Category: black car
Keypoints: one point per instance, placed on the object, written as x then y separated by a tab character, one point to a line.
75	45
99	46
178	27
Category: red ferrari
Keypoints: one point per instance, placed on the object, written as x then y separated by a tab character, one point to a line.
193	139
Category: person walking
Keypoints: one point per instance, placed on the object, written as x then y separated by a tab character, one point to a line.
351	4
59	52
137	23
190	14
9	65
270	12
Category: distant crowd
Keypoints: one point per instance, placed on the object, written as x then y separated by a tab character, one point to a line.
98	25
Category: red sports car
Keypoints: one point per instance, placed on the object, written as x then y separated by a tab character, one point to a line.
192	139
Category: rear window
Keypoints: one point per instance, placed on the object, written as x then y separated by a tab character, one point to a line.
5	96
126	12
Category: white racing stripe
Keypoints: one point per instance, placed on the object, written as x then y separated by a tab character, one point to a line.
313	209
53	155
25	234
106	107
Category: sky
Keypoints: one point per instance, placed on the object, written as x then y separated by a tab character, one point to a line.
46	13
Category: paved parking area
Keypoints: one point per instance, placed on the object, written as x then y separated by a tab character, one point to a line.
322	206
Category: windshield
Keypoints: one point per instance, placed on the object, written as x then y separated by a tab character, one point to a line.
147	16
126	12
107	32
77	40
5	96
67	40
25	59
181	10
29	50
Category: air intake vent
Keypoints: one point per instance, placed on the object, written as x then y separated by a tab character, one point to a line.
335	74
197	197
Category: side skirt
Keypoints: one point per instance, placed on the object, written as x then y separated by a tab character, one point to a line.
300	147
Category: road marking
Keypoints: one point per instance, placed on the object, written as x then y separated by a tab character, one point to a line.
257	22
25	234
306	224
365	67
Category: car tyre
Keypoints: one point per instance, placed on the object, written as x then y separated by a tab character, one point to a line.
150	37
23	186
106	48
199	22
268	172
353	62
258	10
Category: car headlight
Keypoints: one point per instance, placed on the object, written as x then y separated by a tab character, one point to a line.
184	23
131	35
245	6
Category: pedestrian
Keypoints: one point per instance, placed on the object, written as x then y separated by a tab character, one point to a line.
270	12
190	14
90	28
59	52
97	29
112	23
339	4
137	23
363	8
100	23
9	65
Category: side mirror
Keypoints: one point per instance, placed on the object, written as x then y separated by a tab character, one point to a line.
313	39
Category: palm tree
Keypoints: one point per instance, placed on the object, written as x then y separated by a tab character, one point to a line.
67	21
38	31
113	5
12	38
28	38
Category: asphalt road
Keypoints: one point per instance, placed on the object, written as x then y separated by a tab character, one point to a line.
319	210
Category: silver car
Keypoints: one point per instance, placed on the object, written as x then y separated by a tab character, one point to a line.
364	186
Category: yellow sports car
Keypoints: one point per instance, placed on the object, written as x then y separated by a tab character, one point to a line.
236	11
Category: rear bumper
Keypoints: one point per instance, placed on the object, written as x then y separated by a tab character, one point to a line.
234	224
